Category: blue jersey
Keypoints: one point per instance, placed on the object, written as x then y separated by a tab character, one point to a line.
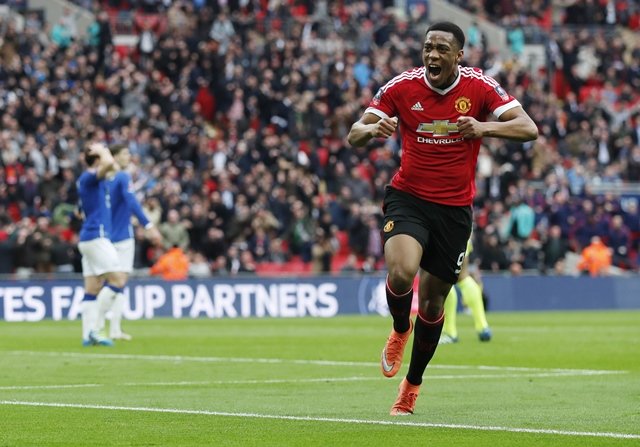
96	206
123	205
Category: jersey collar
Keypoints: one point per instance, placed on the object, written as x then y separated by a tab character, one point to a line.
446	90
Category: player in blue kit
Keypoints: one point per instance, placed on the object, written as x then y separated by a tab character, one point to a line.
123	205
100	265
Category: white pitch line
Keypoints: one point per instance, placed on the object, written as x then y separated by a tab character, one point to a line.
541	431
360	378
181	383
179	358
49	387
188	383
255	381
311	380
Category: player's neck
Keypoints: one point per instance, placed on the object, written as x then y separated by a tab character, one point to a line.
451	80
449	83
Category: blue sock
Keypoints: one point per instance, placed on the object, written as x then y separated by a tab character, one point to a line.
114	288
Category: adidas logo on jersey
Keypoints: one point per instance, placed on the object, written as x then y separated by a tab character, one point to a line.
417	106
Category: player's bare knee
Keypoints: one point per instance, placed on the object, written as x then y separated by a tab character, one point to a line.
431	310
400	278
117	279
92	284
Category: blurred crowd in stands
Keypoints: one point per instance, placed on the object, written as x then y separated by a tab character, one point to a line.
571	12
236	114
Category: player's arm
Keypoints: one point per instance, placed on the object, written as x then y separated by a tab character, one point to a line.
371	126
514	124
78	212
132	201
136	209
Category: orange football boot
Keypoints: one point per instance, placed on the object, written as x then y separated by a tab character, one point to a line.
406	401
393	351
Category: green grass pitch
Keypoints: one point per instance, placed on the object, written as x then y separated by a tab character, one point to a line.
546	379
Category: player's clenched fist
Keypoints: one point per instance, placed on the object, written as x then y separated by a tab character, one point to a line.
385	127
469	127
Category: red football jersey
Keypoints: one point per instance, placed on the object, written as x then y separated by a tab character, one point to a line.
437	164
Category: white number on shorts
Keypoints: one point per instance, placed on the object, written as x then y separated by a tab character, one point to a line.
459	262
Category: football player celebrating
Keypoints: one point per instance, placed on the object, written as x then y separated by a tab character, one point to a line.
441	110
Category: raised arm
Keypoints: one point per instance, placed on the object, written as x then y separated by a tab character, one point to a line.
107	164
371	126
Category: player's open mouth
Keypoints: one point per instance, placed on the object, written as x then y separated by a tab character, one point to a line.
434	70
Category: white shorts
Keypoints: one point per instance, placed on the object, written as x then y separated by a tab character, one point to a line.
99	256
126	250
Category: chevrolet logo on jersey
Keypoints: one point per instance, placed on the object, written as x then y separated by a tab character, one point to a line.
439	128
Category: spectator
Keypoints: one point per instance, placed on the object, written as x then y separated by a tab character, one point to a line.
369	265
301	232
61	35
153	210
198	265
277	253
260	244
374	240
104	38
493	258
172	265
619	239
213	244
358	230
631	217
475	36
516	40
521	220
198	224
219	266
174	231
350	264
322	252
6	254
595	259
221	31
554	249
65	255
247	264
69	20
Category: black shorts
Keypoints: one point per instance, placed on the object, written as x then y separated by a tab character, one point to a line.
442	230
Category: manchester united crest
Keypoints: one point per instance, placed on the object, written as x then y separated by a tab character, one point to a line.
463	105
388	226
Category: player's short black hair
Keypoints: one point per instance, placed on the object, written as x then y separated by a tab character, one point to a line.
90	159
115	149
449	27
